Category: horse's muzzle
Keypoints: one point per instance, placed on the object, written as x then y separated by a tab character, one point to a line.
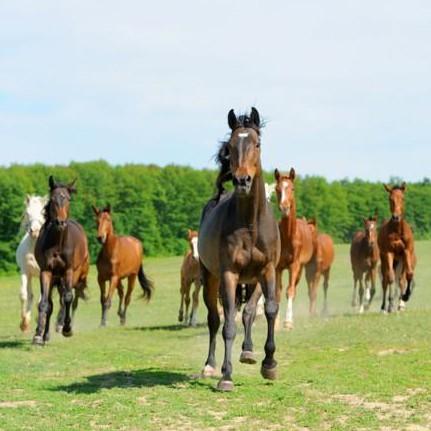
61	224
243	183
101	239
396	218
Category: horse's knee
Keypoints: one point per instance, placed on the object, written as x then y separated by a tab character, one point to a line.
68	296
271	308
43	306
229	330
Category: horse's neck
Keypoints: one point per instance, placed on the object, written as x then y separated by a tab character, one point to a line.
250	208
288	223
110	242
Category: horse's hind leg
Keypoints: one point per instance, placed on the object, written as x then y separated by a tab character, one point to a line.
248	316
326	275
120	291
130	286
182	293
195	303
23	296
355	291
61	312
373	274
102	285
294	276
361	294
210	295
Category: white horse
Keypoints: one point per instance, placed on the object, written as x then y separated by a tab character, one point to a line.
32	221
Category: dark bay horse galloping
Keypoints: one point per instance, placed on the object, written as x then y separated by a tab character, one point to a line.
239	243
397	254
364	257
62	254
120	257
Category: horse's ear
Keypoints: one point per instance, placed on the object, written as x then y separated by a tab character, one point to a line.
292	174
108	208
387	188
312	221
376	215
71	186
403	187
51	182
95	210
27	199
364	220
232	120
189	233
255	117
276	174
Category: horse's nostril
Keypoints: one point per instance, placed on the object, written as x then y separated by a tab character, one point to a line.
248	179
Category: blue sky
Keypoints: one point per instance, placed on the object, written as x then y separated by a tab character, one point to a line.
345	86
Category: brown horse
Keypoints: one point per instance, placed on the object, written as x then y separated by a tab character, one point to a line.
320	264
364	257
397	254
119	258
190	273
61	252
296	240
239	243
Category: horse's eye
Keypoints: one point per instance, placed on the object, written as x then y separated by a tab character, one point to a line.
258	145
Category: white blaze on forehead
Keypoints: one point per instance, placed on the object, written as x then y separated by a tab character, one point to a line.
284	187
194	242
241	137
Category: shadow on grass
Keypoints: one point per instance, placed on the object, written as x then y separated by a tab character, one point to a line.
125	379
176	327
14	344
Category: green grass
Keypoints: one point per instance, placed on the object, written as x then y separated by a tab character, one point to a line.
345	372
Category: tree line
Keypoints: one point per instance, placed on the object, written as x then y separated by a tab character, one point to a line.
158	204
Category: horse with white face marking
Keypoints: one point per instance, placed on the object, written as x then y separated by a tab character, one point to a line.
190	273
32	221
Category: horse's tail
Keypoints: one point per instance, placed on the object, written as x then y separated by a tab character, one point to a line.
146	284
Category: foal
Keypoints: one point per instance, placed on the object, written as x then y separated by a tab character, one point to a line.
296	240
190	273
396	245
320	264
364	257
119	258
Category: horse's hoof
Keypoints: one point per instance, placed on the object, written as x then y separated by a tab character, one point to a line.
268	373
24	325
208	371
180	317
38	340
58	328
247	357
288	325
361	310
102	324
383	312
122	321
225	385
67	333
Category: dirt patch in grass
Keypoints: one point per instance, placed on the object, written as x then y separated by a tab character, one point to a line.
17	404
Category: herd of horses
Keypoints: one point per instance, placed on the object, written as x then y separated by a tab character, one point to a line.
237	256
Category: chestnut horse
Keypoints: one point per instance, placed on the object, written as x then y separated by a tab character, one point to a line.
239	243
61	252
120	257
296	240
364	257
397	254
320	264
190	273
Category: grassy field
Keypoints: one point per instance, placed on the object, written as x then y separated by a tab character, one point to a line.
344	372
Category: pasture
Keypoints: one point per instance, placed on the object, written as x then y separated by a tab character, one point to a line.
344	372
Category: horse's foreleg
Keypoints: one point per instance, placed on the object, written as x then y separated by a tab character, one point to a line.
355	291
67	301
210	295
102	286
372	282
388	277
361	294
46	334
408	265
120	291
108	299
181	310
228	286
278	291
187	287
267	281
195	303
313	286
23	296
45	286
294	271
248	316
130	286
